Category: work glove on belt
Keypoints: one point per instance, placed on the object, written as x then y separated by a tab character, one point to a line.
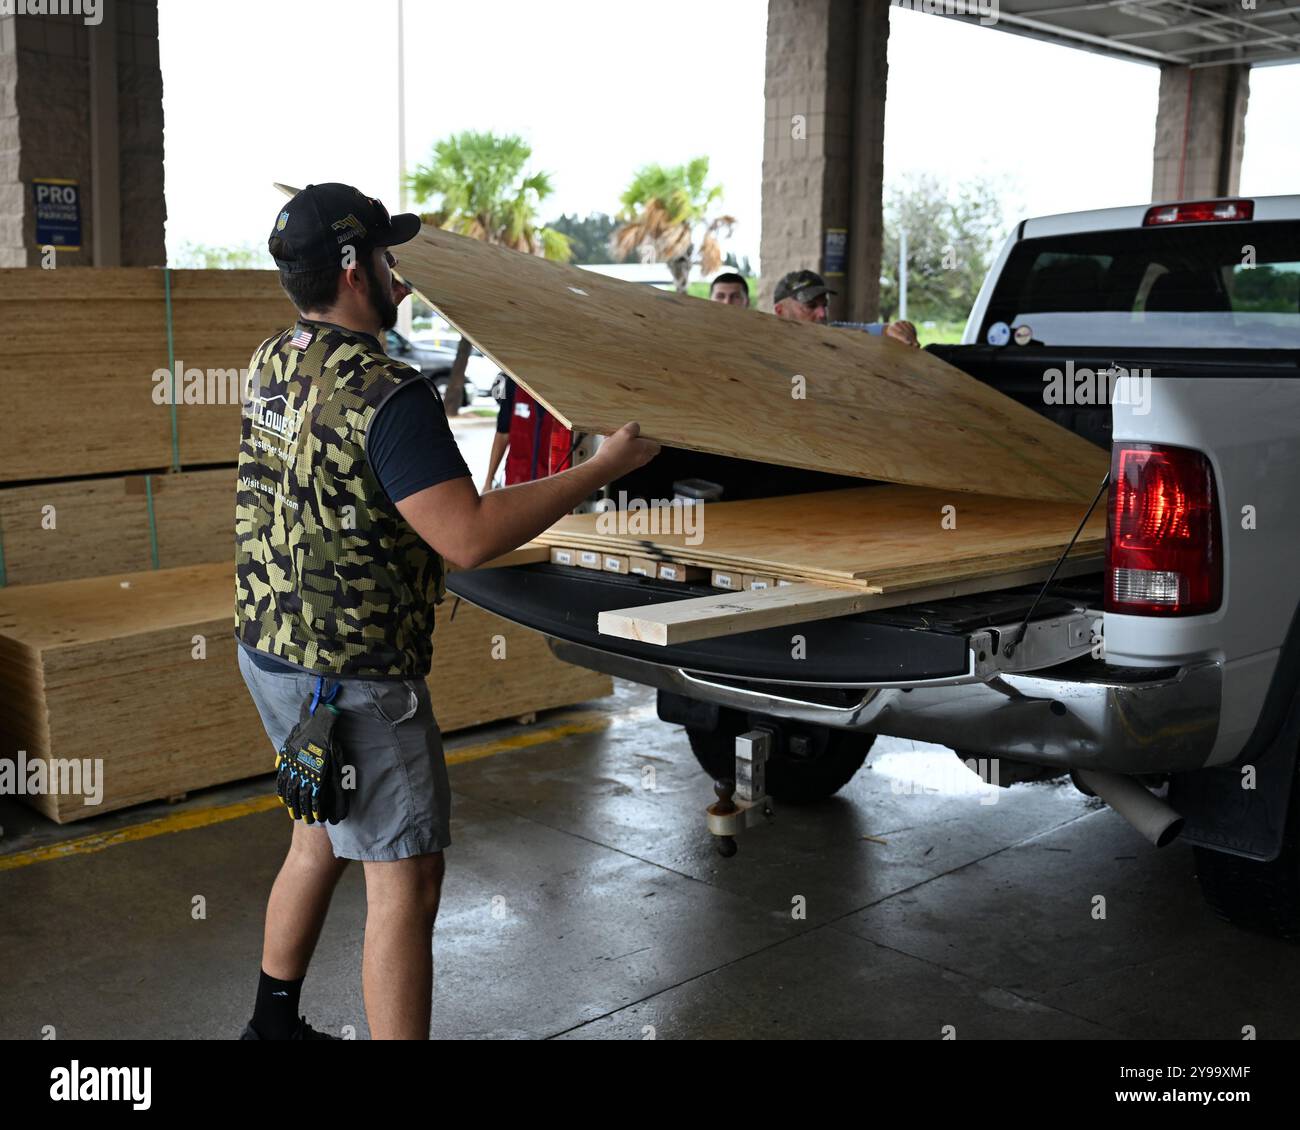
309	769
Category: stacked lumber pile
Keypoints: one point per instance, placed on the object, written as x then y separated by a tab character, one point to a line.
814	556
91	527
117	495
81	350
878	538
139	670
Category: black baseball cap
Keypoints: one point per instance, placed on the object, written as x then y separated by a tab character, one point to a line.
801	285
312	228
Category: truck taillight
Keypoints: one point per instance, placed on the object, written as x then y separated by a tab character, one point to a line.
1199	212
1163	544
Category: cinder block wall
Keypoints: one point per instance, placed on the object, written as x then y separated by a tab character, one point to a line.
45	127
823	143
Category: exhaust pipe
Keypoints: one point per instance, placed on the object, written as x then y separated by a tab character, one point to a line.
1150	815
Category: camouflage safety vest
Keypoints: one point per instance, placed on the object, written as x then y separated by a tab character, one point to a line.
329	576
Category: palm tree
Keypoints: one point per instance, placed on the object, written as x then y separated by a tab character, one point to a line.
663	208
480	188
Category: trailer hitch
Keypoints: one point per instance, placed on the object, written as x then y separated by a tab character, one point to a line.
742	798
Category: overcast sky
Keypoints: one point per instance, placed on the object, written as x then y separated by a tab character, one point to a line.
274	90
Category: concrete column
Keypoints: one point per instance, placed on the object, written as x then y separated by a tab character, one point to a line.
1200	132
823	146
52	125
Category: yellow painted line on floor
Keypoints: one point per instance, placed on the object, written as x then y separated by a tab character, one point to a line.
533	737
220	814
165	825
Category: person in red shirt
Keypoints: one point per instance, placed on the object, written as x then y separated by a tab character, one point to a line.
534	443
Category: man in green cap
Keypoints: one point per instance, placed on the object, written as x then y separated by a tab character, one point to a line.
800	296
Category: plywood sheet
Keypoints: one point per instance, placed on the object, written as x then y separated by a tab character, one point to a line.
882	538
91	527
82	345
599	352
107	668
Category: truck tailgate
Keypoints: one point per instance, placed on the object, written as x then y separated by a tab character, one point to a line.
953	640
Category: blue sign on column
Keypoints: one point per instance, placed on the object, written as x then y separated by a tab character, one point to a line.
835	251
58	213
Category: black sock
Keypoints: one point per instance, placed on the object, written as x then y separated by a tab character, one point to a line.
275	1015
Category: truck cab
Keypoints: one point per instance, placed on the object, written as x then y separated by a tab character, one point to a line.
1170	335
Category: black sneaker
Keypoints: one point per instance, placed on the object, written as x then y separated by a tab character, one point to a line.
304	1031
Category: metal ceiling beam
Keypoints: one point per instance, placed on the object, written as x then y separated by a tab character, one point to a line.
1146	33
1056	33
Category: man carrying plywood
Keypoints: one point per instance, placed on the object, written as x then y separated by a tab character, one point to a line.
351	494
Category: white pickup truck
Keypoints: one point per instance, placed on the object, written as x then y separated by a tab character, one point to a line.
1195	683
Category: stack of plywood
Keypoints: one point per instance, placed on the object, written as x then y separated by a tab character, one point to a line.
83	344
880	538
138	670
91	527
117	534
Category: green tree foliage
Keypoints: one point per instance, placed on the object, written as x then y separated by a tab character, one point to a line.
665	210
952	234
203	257
479	186
589	237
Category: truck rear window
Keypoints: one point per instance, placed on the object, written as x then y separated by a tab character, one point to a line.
1230	285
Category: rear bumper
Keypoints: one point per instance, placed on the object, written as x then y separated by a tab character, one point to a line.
1164	723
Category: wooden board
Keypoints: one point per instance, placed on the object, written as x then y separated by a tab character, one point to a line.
91	527
107	668
681	621
729	614
598	352
881	538
82	345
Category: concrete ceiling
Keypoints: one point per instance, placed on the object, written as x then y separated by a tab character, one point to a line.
1198	33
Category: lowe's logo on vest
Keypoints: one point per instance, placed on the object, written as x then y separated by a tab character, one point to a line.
272	416
102	1084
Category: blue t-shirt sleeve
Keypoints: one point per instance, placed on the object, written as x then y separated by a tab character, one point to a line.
410	445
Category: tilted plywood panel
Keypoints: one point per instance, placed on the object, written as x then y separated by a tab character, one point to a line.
599	352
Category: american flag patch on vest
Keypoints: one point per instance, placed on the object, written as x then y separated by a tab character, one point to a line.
301	340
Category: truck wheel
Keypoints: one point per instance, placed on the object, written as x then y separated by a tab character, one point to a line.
805	766
1252	894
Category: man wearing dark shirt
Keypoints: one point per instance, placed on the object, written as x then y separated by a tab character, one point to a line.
351	494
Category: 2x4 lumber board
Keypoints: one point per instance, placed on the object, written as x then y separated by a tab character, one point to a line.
705	617
728	614
598	352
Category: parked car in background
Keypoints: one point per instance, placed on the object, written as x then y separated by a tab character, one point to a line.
432	360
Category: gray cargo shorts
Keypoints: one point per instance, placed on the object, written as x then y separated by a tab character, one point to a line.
401	805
